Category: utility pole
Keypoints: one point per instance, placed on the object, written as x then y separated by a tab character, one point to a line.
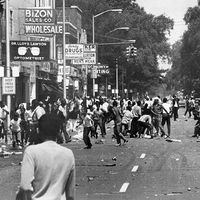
117	86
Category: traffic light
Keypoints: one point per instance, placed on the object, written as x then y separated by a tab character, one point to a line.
128	51
133	51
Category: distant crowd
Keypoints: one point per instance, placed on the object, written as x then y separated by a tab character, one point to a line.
132	118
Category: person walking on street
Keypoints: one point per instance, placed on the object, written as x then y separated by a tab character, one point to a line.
157	117
175	107
63	120
166	116
137	112
88	125
3	116
118	123
41	178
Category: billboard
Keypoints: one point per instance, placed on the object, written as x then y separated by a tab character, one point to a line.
29	51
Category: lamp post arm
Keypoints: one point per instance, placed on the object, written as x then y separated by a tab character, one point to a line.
110	10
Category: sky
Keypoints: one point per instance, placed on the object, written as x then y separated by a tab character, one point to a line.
174	9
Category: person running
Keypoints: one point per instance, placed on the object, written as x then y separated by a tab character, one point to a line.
48	169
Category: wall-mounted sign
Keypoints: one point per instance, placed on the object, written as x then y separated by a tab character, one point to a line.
88	59
29	51
73	51
89	55
9	86
43	29
103	69
39	15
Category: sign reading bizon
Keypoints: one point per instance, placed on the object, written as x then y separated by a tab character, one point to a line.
39	15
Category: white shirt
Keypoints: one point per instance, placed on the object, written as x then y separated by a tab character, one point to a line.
15	125
47	169
167	107
3	112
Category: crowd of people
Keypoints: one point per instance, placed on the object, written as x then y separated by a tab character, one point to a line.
136	118
132	118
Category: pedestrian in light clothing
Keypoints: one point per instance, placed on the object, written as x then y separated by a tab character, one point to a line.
117	117
166	115
41	177
88	125
126	120
15	129
3	116
175	107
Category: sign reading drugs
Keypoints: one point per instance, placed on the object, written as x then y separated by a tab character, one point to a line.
89	55
73	51
29	51
39	15
9	86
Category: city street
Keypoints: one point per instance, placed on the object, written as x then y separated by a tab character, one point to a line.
141	169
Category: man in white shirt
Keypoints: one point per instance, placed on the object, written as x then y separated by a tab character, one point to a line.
166	115
48	169
3	116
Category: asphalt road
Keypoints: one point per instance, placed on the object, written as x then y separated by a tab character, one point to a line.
142	169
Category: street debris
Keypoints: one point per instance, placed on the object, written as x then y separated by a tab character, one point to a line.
99	141
109	164
172	140
90	178
114	158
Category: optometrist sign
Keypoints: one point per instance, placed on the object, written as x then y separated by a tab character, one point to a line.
29	51
40	15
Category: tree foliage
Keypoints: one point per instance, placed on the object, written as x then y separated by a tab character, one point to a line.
149	32
186	59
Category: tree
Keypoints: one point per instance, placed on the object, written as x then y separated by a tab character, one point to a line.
142	72
186	55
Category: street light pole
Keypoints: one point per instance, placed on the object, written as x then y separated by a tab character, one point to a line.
93	35
8	53
93	79
64	60
117	86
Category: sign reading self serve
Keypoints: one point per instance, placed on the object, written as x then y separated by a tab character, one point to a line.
29	51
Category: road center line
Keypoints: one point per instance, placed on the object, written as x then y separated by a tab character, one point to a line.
124	187
135	168
143	155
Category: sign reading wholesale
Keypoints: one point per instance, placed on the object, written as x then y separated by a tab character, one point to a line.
29	51
73	51
89	55
9	85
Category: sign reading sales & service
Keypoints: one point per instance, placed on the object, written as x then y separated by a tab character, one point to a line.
29	51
